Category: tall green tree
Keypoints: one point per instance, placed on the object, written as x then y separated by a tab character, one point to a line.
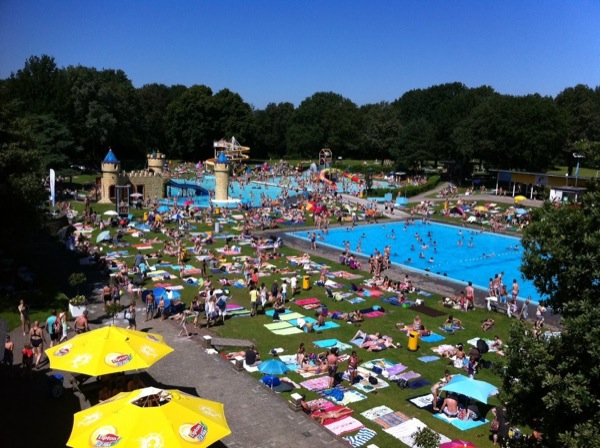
191	124
21	188
154	99
557	379
271	126
525	132
325	120
380	132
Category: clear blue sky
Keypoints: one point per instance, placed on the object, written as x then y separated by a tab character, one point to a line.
280	50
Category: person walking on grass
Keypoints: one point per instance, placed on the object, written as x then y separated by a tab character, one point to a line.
24	314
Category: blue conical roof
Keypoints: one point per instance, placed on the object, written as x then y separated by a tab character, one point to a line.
222	158
110	157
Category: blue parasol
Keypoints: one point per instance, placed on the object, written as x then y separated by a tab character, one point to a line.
476	389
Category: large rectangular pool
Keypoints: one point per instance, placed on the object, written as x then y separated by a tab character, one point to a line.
456	253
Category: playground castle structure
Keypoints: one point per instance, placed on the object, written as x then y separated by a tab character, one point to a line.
117	185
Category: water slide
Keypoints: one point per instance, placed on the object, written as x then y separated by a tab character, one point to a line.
327	174
182	187
353	178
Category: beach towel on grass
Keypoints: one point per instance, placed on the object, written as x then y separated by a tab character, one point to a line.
382	363
358	341
233	307
287	331
473	342
463	425
361	437
308	320
344	426
291	316
239	313
392	419
404	432
422	401
328	326
271	312
417	384
278	326
355	300
316	384
350	396
373	314
332	284
433	337
409	375
367	387
430	358
309	301
394	370
331	343
376	412
320	403
288	359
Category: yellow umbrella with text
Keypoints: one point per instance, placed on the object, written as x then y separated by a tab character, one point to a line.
150	417
108	350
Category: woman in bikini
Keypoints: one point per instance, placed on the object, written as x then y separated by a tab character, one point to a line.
37	339
24	313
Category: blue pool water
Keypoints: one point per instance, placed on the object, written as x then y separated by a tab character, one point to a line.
250	193
479	257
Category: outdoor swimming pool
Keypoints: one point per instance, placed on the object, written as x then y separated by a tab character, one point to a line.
250	193
458	253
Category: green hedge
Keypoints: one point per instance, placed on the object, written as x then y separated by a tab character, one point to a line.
409	191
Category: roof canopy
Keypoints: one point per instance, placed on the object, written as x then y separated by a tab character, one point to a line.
110	157
222	158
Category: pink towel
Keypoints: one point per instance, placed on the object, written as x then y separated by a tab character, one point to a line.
374	314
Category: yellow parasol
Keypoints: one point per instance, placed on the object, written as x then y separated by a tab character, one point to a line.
519	199
108	350
150	417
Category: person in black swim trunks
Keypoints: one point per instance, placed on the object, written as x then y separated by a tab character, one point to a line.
37	339
332	365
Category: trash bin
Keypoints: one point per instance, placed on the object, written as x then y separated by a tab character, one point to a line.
413	341
217	227
306	282
145	216
217	210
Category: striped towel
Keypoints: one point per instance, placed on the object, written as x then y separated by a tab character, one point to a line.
361	437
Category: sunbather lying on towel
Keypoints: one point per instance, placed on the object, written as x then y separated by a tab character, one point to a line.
366	337
320	367
329	415
382	343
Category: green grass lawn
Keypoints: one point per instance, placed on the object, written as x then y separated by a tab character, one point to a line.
253	328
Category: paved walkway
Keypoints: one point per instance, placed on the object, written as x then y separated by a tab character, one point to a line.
258	417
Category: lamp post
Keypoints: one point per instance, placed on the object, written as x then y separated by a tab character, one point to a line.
578	157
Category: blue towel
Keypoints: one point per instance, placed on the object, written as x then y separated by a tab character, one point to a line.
433	337
308	320
325	343
463	425
270	312
428	358
328	326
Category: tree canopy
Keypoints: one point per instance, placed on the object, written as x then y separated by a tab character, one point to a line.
554	382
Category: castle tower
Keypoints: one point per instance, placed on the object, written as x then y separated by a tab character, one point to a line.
221	177
110	177
156	162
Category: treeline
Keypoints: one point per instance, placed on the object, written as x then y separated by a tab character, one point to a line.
73	114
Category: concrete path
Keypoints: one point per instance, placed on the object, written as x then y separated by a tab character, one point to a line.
258	417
